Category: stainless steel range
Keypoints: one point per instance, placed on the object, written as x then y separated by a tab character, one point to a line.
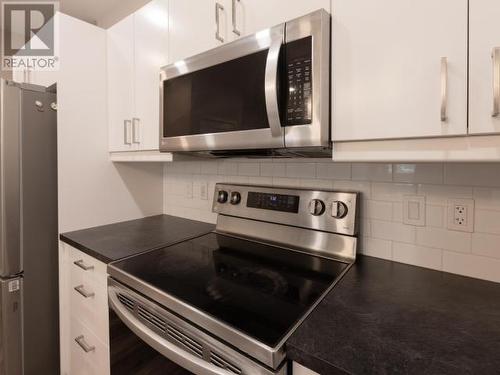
226	302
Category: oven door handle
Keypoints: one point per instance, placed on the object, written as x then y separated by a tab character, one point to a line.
271	80
174	353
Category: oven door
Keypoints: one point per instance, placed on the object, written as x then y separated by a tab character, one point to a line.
147	339
225	98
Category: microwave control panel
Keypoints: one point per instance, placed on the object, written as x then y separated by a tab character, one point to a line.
298	60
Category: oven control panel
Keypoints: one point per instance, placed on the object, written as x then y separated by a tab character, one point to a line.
299	82
331	211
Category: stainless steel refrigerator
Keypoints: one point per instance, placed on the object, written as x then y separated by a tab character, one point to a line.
29	313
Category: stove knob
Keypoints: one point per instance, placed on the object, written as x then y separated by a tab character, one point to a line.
235	197
316	207
222	197
339	209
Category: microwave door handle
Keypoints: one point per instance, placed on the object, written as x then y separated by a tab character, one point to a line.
166	348
271	87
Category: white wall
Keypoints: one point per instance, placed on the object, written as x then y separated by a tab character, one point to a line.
92	190
383	186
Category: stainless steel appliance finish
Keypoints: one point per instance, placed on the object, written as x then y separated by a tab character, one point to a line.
178	340
263	216
283	90
28	230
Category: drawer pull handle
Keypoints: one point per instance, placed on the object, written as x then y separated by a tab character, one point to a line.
81	289
80	263
80	340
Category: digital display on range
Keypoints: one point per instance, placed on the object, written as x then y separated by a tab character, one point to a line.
275	202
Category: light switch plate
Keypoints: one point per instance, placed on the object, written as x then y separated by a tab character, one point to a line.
203	191
460	215
414	210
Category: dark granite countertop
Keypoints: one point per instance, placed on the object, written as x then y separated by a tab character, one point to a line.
389	318
116	241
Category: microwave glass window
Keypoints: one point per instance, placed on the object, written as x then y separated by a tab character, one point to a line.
224	98
299	82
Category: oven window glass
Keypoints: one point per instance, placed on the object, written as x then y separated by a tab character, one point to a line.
223	98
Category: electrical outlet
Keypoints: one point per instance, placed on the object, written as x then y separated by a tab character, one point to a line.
461	215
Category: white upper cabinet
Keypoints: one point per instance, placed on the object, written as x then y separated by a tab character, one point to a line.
120	62
191	28
214	22
151	52
251	16
137	49
399	68
484	66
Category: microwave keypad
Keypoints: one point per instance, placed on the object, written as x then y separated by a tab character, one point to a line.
299	82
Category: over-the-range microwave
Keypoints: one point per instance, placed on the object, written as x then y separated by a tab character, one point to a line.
266	94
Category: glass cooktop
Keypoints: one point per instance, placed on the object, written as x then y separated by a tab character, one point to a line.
260	290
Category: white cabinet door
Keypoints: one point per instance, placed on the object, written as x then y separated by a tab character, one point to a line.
191	28
151	51
255	15
484	52
387	73
120	45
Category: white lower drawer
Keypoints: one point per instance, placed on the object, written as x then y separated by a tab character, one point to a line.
91	356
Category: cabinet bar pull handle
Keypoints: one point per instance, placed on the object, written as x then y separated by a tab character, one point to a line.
80	263
495	55
233	16
136	135
218	7
444	88
80	340
127	136
81	289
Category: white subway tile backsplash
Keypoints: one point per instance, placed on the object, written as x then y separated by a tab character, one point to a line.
487	221
397	212
228	168
417	255
249	169
473	266
487	198
334	171
377	210
418	173
382	188
273	169
487	245
372	172
439	194
209	167
434	216
392	192
301	170
444	239
376	247
393	231
472	174
316	184
363	187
